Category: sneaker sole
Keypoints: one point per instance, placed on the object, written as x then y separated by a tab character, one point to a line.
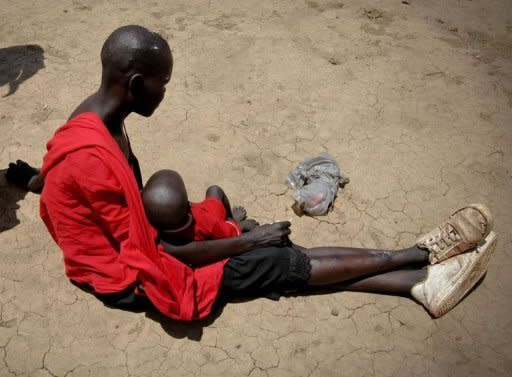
468	277
486	213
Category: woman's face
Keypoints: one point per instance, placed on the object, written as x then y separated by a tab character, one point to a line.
148	89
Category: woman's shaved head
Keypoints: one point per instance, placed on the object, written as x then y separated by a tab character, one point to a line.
137	65
134	48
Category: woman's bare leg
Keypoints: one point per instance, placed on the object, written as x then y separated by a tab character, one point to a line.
332	265
399	282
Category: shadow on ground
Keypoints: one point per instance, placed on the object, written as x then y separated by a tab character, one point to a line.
19	63
179	329
127	301
10	195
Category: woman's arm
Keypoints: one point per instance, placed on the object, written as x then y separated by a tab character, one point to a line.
205	252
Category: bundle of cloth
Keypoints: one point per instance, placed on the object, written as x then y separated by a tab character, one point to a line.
315	182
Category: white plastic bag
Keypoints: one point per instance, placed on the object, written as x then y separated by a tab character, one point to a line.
315	182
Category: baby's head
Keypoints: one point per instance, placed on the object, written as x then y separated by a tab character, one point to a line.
166	202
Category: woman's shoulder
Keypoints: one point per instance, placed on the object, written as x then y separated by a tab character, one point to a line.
85	159
86	168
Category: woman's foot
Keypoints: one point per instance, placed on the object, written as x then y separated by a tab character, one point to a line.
448	282
239	214
464	230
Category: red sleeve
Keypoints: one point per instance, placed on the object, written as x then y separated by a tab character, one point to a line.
225	229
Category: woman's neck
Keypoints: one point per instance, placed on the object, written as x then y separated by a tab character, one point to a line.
110	108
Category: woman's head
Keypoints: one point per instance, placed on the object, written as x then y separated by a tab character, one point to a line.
137	64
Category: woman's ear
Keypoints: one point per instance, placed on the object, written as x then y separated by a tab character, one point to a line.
136	84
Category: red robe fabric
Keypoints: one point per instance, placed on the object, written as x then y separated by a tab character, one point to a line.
98	255
210	221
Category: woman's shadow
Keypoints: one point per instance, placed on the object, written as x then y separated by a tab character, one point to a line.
19	63
10	195
181	329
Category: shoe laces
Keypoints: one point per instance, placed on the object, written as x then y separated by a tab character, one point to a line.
446	236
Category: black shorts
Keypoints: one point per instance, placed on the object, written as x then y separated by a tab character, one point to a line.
266	272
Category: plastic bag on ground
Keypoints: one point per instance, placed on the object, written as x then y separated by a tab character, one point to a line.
315	182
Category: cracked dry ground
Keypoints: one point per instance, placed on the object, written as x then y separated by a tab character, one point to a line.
414	101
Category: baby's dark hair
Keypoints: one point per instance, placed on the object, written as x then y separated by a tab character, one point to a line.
165	200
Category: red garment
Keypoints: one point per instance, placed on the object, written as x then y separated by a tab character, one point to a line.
92	208
210	221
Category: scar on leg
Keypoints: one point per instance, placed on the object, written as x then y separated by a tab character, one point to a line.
381	254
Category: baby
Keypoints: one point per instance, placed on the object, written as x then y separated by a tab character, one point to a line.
179	222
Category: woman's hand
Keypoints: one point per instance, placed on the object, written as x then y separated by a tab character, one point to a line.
275	234
25	176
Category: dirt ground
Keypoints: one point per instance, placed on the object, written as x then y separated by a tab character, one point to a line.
413	98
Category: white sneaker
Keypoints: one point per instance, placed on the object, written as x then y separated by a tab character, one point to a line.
464	230
448	282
